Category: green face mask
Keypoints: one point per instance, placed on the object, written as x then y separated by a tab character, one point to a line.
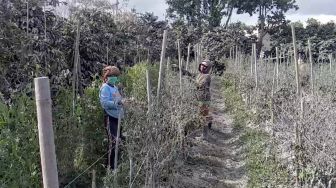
113	80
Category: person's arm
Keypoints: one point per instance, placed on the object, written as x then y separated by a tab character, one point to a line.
106	103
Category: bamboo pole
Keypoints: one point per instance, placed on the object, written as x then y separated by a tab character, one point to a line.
252	55
149	93
255	64
311	66
277	67
180	64
116	150
272	96
236	55
297	131
162	59
188	57
251	64
45	20
46	134
107	54
296	62
330	62
94	185
168	64
27	17
131	173
75	70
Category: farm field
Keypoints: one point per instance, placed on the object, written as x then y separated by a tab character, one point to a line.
195	98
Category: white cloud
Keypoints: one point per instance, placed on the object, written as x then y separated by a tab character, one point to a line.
158	7
293	17
303	18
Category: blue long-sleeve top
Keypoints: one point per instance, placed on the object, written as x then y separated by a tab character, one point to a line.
110	100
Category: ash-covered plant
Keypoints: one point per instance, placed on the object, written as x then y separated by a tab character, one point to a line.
300	127
156	130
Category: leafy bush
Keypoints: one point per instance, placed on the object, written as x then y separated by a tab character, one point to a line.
19	151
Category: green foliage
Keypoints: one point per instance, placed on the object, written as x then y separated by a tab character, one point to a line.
135	81
80	134
197	12
264	169
79	138
19	151
234	102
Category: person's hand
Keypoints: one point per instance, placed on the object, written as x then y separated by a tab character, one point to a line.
126	102
120	85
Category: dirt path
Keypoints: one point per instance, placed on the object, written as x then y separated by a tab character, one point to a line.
218	162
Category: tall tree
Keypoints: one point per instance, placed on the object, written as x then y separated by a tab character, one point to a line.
198	12
271	13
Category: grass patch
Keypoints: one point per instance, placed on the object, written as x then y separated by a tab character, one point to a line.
264	169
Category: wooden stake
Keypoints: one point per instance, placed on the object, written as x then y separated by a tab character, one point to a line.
117	143
45	20
94	185
297	131
107	54
163	54
255	64
46	134
296	62
76	68
236	59
252	55
251	64
311	66
168	64
272	96
149	92
131	172
277	67
27	17
180	64
330	63
188	57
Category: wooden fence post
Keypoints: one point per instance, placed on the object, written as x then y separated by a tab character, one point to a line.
46	134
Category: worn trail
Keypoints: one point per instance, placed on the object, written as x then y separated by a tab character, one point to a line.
218	162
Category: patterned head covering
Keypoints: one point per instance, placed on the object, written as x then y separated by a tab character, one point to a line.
110	71
208	65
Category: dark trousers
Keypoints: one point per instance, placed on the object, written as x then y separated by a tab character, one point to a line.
111	125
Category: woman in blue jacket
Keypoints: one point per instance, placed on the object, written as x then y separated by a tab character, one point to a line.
112	103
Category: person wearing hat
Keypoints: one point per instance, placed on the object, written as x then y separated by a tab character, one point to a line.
112	103
203	81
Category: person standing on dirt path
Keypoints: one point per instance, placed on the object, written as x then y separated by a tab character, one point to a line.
112	103
203	82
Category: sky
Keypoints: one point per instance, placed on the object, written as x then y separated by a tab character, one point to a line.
322	10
